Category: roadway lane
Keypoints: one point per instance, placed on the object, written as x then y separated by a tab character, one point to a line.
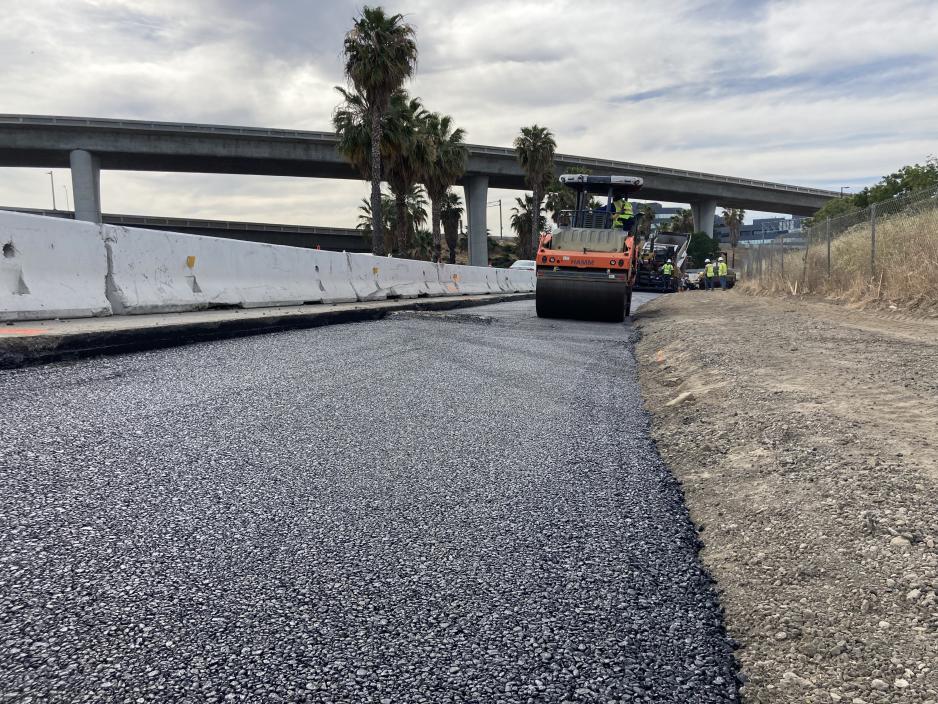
436	507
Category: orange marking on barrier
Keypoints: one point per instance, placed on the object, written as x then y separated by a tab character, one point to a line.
21	331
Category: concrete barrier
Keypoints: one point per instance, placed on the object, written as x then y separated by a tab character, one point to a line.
464	280
51	268
152	271
377	278
521	281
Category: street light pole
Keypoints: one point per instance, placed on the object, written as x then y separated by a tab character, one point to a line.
52	178
501	224
842	189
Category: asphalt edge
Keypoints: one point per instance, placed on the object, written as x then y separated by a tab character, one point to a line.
17	352
675	485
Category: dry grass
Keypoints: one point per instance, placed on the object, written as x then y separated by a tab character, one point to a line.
905	273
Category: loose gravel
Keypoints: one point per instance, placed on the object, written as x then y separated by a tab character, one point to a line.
806	435
430	508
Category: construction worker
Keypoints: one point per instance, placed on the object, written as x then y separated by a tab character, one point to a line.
721	272
708	274
623	218
667	270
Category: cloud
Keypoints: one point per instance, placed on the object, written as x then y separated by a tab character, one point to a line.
815	92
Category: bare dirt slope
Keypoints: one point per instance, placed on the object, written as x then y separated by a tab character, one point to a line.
806	436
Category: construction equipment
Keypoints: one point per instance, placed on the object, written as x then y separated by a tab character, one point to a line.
586	268
656	250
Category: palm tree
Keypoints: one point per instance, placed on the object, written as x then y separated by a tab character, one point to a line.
408	152
447	165
733	219
380	54
415	215
535	147
683	221
366	219
451	211
520	222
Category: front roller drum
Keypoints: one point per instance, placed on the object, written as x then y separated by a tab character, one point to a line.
580	298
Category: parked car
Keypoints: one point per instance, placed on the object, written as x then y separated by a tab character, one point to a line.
523	264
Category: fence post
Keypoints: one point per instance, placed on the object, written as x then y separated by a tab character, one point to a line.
828	248
873	240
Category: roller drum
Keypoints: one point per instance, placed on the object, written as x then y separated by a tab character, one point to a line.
580	297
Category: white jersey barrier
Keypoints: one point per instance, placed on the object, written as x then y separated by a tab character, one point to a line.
153	271
50	268
465	280
520	280
57	268
377	278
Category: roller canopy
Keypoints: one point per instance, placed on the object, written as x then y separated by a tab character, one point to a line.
599	185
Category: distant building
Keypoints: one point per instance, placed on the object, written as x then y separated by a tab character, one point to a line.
759	231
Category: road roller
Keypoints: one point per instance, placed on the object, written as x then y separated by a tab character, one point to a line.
586	268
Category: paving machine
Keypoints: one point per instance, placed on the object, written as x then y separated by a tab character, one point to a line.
586	269
656	250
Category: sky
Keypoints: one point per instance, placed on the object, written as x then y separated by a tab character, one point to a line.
811	92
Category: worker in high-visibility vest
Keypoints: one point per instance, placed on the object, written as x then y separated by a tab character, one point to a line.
721	272
708	274
667	271
623	218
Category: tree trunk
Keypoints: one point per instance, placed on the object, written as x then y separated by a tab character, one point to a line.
535	218
377	217
451	235
401	245
435	217
734	256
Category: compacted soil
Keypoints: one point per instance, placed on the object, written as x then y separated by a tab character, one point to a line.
806	438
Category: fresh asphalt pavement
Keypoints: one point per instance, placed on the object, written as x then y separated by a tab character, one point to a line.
435	507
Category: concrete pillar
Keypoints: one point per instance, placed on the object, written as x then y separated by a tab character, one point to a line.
86	185
477	195
704	211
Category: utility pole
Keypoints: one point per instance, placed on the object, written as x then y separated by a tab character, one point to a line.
52	179
501	225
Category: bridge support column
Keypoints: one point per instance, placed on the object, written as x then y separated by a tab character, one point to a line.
86	185
704	211
476	189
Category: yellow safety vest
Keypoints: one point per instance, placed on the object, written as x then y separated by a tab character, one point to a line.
623	210
709	271
667	269
722	269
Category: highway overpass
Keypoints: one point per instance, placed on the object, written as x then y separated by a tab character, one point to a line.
87	145
338	239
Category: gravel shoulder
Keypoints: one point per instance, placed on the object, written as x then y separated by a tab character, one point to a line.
806	438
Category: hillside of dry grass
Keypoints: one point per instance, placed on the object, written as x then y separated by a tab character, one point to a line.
904	273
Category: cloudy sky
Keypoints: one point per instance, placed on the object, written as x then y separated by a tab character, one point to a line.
813	92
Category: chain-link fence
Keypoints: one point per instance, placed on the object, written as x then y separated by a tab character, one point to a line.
888	252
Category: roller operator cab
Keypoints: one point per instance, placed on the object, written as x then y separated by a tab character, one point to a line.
587	267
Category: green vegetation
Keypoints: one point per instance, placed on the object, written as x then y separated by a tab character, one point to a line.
380	54
535	147
702	247
451	211
520	221
733	219
908	179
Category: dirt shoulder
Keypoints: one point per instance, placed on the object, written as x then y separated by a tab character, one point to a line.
806	437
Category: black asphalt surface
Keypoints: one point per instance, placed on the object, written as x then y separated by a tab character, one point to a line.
436	507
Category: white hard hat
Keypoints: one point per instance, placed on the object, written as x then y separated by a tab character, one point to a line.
669	261
706	261
721	259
